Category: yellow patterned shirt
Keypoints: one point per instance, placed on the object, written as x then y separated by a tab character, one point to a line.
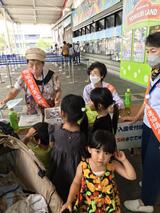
98	194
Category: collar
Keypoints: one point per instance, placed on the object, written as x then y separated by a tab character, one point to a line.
155	80
92	86
155	72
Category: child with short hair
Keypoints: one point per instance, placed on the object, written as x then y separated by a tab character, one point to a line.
94	183
37	139
69	143
102	101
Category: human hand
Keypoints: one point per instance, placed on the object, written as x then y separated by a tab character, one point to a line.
129	119
67	205
2	103
120	156
57	102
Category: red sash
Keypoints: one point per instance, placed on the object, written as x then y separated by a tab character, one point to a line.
111	88
34	89
153	117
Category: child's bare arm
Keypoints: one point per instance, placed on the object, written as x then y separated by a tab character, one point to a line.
27	137
124	167
74	189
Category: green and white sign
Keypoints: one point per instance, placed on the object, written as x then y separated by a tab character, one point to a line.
140	17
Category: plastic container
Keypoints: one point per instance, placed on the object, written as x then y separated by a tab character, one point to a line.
13	119
128	101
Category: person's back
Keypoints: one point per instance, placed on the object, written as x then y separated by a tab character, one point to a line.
104	123
71	51
65	157
56	49
69	144
65	49
41	152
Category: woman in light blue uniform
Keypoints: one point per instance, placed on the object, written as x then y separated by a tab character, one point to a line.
151	133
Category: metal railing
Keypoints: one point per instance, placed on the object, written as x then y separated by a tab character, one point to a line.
13	62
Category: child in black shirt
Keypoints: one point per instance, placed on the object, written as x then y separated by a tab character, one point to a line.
103	103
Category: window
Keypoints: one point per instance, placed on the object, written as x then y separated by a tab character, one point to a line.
80	32
104	23
93	27
88	30
76	33
118	18
100	25
110	21
83	31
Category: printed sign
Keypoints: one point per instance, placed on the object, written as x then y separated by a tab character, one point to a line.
127	46
129	135
139	44
141	17
145	9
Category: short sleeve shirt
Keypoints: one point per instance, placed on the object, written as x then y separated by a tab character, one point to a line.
88	88
49	89
154	100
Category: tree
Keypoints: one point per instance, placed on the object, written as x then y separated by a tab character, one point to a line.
44	43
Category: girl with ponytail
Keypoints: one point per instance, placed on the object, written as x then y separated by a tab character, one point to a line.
103	103
70	141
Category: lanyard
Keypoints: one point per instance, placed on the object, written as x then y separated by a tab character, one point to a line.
42	82
153	87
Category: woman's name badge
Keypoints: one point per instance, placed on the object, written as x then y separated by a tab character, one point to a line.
147	96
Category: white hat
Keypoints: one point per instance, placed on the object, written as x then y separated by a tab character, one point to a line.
35	54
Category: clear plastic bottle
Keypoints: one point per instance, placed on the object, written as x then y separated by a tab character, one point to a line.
128	101
13	119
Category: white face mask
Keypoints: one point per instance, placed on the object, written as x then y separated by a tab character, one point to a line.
94	79
153	60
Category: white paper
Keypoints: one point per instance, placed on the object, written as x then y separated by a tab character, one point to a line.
29	120
12	103
52	115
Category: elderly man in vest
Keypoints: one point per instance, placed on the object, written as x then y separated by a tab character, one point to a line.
41	86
